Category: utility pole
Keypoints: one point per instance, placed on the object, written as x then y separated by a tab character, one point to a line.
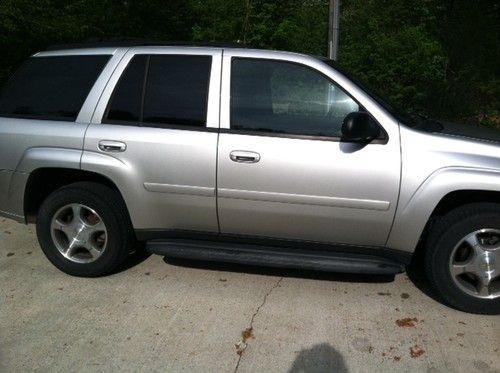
333	30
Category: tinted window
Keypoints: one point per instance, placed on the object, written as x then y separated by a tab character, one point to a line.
162	90
283	97
51	87
177	90
127	99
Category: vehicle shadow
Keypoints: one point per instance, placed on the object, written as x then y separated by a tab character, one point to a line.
135	258
319	358
416	274
278	272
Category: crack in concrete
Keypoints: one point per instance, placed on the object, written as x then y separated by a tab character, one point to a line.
249	330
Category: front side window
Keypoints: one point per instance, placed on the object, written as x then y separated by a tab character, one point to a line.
283	97
51	88
162	90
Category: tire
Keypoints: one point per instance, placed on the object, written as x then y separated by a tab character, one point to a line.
448	249
110	247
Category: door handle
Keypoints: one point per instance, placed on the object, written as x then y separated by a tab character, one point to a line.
112	146
242	156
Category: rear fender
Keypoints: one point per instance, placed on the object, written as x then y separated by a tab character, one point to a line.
32	159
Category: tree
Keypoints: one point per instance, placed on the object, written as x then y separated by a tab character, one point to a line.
439	57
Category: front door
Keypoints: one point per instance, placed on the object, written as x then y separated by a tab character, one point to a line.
283	171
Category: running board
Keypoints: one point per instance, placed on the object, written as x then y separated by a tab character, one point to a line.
280	257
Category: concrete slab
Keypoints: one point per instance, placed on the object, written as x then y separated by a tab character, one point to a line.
170	315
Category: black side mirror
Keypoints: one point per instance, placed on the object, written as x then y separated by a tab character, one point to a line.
359	127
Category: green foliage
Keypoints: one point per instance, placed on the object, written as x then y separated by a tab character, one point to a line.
390	47
437	57
29	26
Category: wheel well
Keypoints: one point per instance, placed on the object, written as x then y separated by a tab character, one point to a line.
450	202
44	181
463	197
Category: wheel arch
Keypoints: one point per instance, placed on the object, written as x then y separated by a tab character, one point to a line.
459	198
45	180
454	200
441	192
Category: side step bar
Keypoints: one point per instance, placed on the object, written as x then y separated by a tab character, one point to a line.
269	256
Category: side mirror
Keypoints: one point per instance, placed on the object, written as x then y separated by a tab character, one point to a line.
359	127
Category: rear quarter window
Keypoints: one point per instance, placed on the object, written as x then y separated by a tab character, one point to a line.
51	88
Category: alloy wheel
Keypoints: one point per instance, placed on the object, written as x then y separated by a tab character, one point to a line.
475	264
79	233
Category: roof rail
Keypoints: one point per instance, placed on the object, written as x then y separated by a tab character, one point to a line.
112	43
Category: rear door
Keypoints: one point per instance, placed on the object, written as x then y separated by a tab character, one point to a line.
154	133
284	171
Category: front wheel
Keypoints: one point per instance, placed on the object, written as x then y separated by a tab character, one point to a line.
462	258
84	229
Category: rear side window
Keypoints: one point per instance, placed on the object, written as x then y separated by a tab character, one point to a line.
161	91
127	98
51	88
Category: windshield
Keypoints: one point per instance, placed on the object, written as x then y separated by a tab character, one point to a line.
398	113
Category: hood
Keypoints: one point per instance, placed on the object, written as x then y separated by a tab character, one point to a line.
474	132
460	130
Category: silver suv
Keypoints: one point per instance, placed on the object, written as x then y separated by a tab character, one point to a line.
237	155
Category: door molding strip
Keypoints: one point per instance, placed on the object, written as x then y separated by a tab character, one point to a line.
302	199
180	189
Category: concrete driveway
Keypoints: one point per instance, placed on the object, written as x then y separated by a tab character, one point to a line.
161	315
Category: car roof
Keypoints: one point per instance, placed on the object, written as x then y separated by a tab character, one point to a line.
145	43
110	47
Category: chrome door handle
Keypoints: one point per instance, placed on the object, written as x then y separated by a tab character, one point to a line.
112	146
243	156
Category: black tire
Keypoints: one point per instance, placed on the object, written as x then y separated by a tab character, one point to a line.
110	207
444	235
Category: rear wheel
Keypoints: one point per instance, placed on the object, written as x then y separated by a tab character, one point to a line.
84	229
462	258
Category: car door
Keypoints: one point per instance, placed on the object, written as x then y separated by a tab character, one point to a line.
284	171
154	134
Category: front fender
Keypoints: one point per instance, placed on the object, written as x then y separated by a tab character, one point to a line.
412	216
